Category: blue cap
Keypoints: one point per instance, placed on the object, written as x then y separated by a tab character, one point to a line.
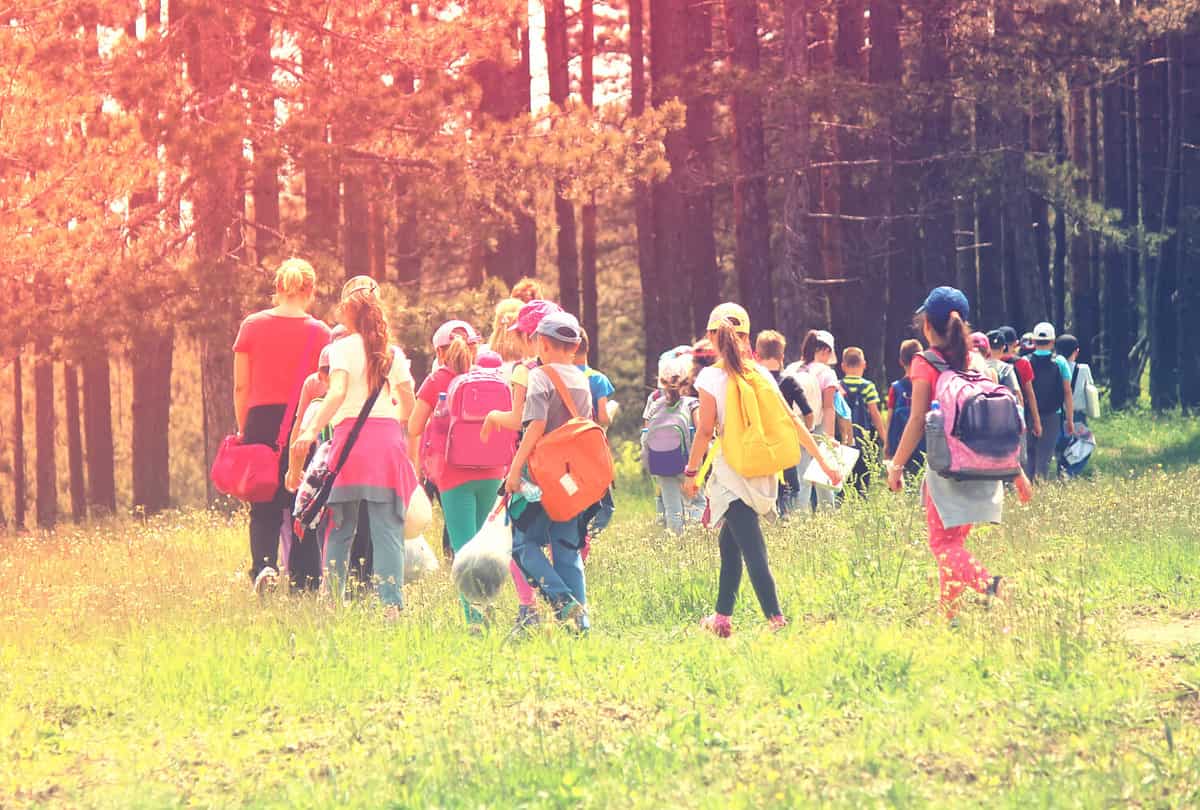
940	302
561	326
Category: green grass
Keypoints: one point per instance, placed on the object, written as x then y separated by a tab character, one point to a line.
137	671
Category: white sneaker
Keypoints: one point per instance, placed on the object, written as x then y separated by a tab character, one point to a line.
266	582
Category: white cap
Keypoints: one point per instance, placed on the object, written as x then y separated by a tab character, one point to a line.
1043	332
827	339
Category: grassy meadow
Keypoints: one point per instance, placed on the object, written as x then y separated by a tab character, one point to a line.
136	669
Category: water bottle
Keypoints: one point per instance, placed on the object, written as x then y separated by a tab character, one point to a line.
937	452
530	491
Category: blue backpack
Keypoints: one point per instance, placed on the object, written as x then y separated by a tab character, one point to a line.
899	419
668	438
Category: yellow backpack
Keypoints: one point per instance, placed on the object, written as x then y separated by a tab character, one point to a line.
759	437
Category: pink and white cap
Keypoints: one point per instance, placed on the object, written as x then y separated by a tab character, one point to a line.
444	335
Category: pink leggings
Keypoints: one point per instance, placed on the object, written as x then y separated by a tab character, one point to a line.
957	569
524	589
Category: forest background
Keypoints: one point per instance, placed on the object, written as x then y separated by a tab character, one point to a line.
822	161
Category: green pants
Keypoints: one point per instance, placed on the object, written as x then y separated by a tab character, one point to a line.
466	508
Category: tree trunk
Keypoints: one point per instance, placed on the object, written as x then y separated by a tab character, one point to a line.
356	251
587	256
20	486
886	69
46	424
1085	319
670	294
1060	226
1117	322
1156	131
74	444
98	431
1039	140
654	328
1189	224
558	68
752	225
151	419
700	244
214	204
939	259
266	162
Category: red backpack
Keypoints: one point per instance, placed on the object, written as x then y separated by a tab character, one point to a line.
472	396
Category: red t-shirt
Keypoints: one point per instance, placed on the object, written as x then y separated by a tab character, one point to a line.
435	385
1024	369
283	352
921	369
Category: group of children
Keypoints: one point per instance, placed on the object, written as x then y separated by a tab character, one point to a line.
727	417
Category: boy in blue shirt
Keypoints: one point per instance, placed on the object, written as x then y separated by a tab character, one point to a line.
1052	390
596	519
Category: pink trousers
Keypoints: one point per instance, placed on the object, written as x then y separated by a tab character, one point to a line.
524	589
957	569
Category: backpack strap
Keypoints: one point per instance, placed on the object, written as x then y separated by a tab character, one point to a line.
1074	377
561	388
936	360
352	439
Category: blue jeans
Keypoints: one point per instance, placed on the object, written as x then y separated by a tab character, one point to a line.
561	581
387	544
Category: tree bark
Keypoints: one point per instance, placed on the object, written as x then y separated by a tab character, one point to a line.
670	321
1189	224
939	259
886	70
20	485
98	431
266	162
1059	281
74	444
214	204
752	225
654	329
1039	141
45	426
151	419
558	68
587	257
1117	322
1156	133
1085	319
356	234
700	244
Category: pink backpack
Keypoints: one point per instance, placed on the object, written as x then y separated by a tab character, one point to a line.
974	426
471	397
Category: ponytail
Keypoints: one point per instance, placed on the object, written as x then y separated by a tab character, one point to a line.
729	347
812	344
953	340
365	313
459	356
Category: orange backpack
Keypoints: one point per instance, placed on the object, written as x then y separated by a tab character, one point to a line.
572	464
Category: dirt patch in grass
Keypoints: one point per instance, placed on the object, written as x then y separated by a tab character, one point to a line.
1148	632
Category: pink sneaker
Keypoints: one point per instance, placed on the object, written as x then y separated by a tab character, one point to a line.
777	623
717	624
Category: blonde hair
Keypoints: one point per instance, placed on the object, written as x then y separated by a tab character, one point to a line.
853	357
509	345
294	278
527	289
459	356
770	345
366	284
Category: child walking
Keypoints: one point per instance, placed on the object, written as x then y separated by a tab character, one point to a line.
736	501
561	580
467	493
865	419
899	406
667	442
952	507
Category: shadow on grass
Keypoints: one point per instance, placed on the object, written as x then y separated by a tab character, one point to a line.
1137	441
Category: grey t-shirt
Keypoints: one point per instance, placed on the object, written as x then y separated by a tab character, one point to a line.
542	400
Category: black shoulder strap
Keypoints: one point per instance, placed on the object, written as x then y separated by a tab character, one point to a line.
359	421
936	360
1074	377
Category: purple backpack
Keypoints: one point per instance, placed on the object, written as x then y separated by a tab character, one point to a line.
973	430
471	397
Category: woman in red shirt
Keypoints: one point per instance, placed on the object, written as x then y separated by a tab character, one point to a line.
274	353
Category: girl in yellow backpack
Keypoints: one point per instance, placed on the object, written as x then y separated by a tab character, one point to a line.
740	401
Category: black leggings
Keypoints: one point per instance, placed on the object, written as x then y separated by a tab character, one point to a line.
741	538
266	519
